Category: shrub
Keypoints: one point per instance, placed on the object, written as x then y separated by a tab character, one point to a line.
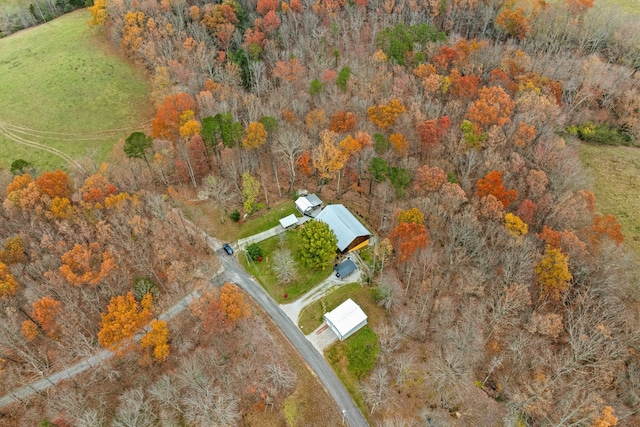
235	215
600	134
315	88
362	352
143	286
254	251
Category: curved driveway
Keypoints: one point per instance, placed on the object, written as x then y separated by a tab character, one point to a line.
234	272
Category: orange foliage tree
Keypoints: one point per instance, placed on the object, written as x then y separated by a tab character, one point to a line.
166	124
96	189
44	312
232	304
492	185
409	234
493	107
385	115
8	284
86	264
604	227
156	341
55	184
514	23
343	121
291	71
123	319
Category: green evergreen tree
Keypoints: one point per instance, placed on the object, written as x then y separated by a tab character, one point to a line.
317	244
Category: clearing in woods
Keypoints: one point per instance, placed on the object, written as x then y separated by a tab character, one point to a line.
62	86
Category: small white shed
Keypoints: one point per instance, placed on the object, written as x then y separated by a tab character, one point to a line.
346	319
288	221
307	204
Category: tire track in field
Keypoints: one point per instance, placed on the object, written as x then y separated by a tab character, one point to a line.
33	144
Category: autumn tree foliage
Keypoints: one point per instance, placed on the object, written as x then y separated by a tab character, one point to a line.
45	312
86	264
327	157
514	23
515	225
255	135
290	71
492	184
13	251
343	121
232	304
409	234
155	341
96	188
605	227
399	144
607	419
526	210
123	319
552	273
8	284
385	115
428	179
493	107
55	184
167	122
431	131
317	244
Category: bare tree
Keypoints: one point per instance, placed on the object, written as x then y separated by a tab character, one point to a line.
289	146
220	192
284	265
281	377
133	410
210	406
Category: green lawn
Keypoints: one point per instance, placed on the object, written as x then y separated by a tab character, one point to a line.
615	185
265	219
306	278
311	316
63	86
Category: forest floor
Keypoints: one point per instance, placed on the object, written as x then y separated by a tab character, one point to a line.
64	86
615	185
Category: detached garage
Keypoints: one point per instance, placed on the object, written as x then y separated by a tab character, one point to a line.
346	319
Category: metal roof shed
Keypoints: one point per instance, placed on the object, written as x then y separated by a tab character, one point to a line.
346	319
289	221
345	268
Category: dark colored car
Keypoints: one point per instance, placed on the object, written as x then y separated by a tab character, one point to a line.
228	249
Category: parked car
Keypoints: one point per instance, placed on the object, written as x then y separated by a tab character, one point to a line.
228	249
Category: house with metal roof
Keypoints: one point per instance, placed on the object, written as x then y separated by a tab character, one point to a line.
346	319
351	234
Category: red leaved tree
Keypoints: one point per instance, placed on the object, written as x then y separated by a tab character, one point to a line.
409	234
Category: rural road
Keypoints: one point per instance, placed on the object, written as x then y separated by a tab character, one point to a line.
235	273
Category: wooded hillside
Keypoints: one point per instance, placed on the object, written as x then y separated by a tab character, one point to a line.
452	129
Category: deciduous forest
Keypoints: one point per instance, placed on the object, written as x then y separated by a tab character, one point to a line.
450	127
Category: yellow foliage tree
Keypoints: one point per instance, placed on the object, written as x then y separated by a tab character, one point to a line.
61	207
8	285
399	144
515	225
386	115
29	329
156	339
553	272
327	157
13	251
255	135
123	319
98	12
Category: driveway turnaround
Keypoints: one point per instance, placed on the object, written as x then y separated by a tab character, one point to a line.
235	273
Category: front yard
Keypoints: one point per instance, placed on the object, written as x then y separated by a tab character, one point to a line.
265	270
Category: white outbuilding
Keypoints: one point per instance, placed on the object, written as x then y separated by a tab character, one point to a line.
346	319
308	204
288	221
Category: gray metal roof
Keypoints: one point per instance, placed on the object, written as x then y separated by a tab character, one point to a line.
345	268
343	223
314	200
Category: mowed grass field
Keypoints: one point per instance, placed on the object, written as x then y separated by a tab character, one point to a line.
62	85
616	179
